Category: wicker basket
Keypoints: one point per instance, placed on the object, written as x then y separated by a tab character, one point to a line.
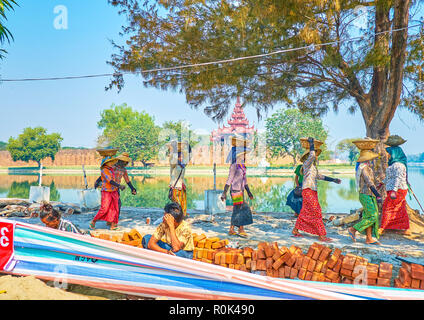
107	152
305	144
366	144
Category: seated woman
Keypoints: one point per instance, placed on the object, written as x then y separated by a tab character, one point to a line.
53	219
173	236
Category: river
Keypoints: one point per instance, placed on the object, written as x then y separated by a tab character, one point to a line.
270	192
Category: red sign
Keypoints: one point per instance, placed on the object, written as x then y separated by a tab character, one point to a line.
6	243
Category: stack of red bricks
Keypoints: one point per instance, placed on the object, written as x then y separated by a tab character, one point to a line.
410	276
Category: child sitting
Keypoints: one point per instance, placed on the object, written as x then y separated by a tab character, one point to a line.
53	219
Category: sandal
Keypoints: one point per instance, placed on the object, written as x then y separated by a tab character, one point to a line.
232	233
352	236
243	234
114	228
374	243
326	239
92	226
297	235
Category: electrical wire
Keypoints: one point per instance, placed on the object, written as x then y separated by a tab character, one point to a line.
311	46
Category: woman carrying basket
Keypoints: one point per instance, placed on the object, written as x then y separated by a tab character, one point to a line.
237	183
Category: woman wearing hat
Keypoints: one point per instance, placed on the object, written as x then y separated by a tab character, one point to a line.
237	183
310	217
178	159
120	172
368	196
395	215
109	208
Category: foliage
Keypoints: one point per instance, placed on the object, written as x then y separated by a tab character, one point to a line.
3	145
179	130
285	128
5	34
34	144
347	146
333	67
139	138
21	190
114	119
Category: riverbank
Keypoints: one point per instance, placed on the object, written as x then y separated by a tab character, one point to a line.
269	227
221	171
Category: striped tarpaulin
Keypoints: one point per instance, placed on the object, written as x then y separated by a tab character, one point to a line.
60	256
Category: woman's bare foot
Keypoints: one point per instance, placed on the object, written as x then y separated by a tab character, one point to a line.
406	232
325	239
380	231
372	241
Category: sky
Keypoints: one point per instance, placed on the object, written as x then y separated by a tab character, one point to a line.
73	107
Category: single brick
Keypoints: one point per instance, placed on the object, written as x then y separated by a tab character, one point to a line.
311	265
293	273
308	276
325	253
302	273
383	282
417	271
415	283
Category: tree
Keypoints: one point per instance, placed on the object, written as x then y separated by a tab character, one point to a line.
34	144
375	73
180	130
347	146
3	145
285	128
113	120
139	138
5	34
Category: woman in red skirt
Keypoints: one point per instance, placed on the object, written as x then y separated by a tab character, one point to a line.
109	207
395	215
310	217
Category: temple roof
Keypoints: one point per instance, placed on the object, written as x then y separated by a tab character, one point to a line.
238	124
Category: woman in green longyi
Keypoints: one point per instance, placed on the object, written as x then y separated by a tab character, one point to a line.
368	196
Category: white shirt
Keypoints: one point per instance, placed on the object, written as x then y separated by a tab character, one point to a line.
396	177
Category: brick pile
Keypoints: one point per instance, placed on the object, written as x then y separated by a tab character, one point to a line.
132	238
319	263
410	276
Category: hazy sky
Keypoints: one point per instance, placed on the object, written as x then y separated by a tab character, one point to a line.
72	107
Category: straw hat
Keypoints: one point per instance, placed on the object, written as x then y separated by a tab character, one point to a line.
306	154
109	161
367	155
395	140
124	157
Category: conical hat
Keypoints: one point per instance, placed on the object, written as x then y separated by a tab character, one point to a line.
395	140
367	155
124	157
305	155
109	161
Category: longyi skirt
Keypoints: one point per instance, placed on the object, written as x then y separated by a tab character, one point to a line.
310	217
395	216
242	215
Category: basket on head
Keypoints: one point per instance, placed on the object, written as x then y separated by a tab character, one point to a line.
125	157
366	143
394	141
108	160
305	155
305	143
107	152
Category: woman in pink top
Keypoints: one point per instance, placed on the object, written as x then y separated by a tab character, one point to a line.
237	183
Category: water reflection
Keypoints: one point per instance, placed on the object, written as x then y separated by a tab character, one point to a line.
152	191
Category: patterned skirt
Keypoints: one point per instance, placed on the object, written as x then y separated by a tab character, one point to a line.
395	216
310	217
180	197
109	207
369	215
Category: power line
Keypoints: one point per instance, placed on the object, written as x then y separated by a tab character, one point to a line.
311	46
